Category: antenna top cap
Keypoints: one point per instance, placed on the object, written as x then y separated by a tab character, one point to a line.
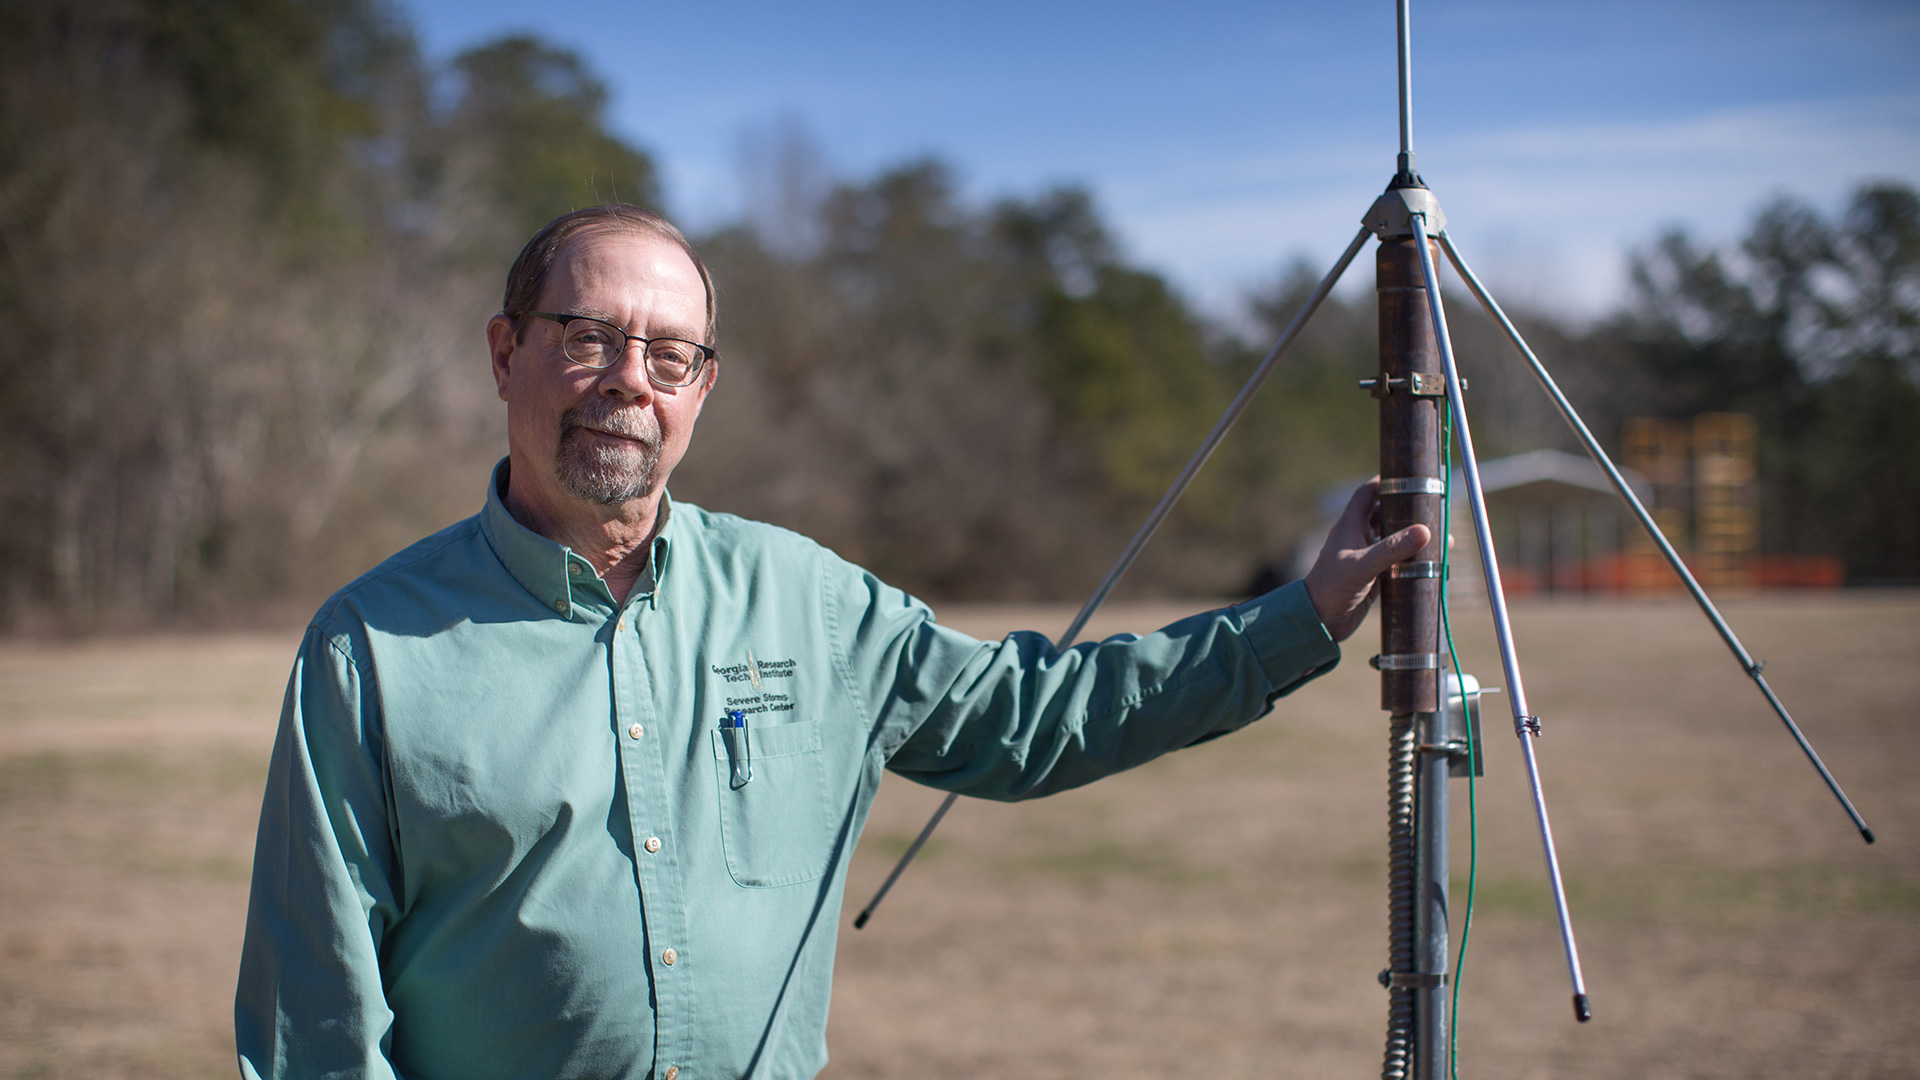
1389	216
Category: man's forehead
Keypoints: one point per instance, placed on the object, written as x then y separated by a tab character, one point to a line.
626	255
624	274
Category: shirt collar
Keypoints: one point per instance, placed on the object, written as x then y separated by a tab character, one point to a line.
555	574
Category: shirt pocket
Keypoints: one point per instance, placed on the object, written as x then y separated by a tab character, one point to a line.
775	829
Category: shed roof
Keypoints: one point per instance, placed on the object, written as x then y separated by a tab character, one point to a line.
1548	474
1536	474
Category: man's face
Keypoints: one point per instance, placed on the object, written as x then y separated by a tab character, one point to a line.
606	436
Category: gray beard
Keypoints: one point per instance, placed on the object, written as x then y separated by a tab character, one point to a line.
596	472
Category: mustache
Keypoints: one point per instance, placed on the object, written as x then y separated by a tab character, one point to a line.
605	415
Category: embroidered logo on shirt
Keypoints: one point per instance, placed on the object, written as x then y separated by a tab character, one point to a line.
756	673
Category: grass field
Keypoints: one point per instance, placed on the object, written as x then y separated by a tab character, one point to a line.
1219	913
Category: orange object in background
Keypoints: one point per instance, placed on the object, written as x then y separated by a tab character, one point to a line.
1518	581
1660	450
1726	500
1706	498
1606	573
1631	573
1800	572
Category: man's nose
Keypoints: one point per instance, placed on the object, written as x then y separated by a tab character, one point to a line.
627	378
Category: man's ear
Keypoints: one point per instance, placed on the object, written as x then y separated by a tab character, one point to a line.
707	380
500	346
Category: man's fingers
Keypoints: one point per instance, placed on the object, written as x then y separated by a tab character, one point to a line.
1362	499
1351	530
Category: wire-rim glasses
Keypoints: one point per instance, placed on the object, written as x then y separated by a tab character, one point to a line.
597	343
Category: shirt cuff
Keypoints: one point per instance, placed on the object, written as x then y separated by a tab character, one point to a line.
1288	637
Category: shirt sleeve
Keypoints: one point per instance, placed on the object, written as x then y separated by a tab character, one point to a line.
1020	718
310	1001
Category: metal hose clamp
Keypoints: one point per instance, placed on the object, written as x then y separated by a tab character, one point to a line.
1413	661
1413	485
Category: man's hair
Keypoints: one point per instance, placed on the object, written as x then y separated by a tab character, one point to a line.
529	273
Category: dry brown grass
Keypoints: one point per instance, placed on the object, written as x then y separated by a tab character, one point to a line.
1218	913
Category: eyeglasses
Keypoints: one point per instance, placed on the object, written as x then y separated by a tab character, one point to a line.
595	343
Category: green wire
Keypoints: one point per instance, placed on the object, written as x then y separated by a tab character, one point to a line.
1473	803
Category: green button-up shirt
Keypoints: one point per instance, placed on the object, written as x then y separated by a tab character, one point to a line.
509	829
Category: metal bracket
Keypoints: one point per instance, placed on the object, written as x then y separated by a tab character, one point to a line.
1414	570
1411	661
1389	216
1413	485
1412	980
1425	384
1464	753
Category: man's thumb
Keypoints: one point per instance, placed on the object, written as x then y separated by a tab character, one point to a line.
1391	549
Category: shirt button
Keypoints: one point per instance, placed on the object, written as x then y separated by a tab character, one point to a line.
573	569
653	844
669	957
673	1072
621	625
560	606
636	731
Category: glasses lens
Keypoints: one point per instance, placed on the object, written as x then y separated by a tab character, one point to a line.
592	343
673	362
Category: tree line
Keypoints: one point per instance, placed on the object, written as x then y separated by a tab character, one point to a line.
247	248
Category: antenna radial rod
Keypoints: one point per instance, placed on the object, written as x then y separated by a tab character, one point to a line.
1152	524
1679	565
1219	432
1525	725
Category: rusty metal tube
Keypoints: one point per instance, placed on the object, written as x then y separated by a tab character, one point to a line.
1410	387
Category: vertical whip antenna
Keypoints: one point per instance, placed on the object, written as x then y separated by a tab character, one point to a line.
1406	170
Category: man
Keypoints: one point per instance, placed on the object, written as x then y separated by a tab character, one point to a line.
569	788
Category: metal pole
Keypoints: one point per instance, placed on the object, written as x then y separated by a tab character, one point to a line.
1430	922
1600	458
1152	524
1525	726
1412	489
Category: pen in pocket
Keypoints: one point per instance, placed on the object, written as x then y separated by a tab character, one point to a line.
739	745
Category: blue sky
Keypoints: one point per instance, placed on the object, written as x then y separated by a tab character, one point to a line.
1221	139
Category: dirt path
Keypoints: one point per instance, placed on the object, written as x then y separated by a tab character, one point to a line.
1216	914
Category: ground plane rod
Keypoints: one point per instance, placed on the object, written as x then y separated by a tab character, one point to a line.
1160	512
1525	726
1660	541
912	850
1207	445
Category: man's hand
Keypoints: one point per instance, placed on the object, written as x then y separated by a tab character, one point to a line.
1341	583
